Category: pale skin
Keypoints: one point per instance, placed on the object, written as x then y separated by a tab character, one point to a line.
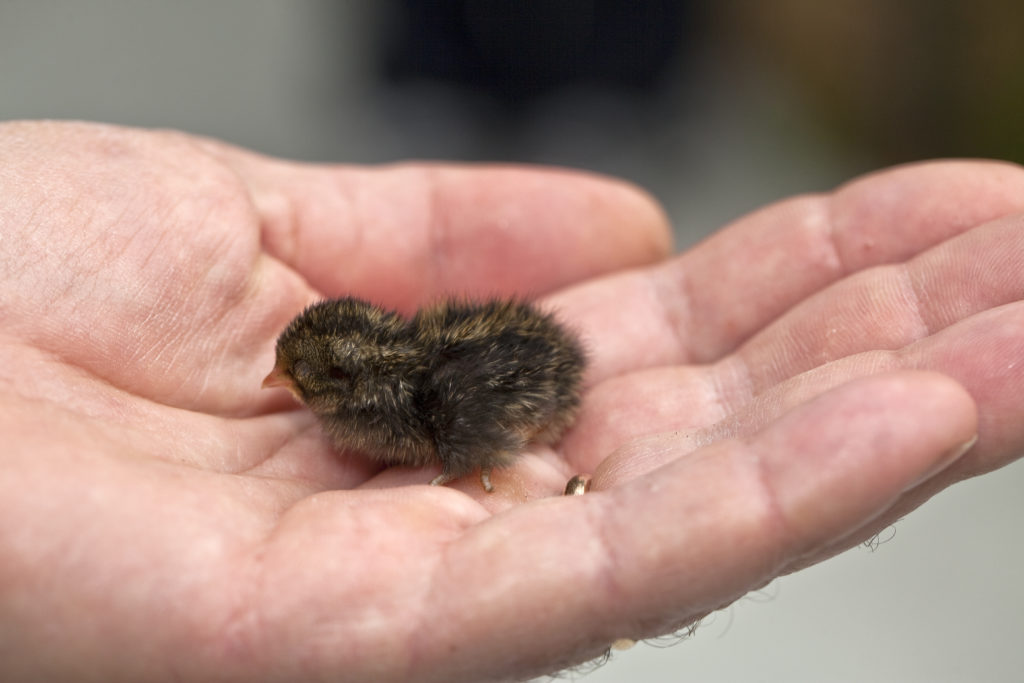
771	397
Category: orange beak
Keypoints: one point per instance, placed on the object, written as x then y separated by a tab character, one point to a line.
279	377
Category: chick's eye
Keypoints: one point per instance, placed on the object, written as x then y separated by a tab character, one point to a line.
301	370
337	373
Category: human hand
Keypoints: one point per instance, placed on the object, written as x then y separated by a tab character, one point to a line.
164	518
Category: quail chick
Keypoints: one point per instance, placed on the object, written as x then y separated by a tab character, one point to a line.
463	384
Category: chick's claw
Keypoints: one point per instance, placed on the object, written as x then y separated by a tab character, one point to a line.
485	479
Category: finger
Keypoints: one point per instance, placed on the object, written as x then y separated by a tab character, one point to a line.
406	234
985	359
886	307
636	560
709	300
889	307
984	353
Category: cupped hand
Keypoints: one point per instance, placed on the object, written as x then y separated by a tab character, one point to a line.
759	403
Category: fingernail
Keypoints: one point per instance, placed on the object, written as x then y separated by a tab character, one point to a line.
952	456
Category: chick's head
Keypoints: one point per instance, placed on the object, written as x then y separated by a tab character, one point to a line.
345	357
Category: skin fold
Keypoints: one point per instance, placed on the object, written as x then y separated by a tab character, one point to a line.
769	398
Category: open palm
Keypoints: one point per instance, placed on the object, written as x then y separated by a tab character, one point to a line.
757	404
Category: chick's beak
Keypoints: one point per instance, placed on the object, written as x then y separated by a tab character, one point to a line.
279	377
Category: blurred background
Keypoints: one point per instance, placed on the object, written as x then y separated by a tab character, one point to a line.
716	108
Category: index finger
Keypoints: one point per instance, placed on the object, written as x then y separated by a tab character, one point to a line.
407	233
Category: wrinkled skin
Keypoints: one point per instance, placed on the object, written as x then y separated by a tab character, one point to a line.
768	399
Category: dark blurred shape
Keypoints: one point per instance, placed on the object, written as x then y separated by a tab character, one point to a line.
518	51
896	80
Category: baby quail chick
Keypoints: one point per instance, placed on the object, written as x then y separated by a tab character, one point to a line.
463	384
